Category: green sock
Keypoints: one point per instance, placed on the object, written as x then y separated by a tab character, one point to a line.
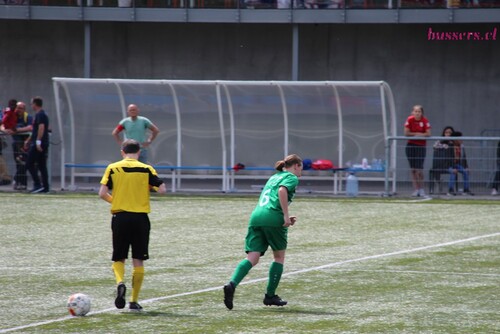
241	271
275	271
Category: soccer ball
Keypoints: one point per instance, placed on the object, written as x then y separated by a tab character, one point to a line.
78	304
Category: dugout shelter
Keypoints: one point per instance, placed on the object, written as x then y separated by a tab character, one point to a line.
207	127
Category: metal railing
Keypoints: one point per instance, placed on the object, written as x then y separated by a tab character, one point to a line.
481	154
264	4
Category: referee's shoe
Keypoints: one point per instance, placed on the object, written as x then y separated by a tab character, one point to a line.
134	306
121	289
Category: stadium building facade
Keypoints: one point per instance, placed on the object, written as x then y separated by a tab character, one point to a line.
442	56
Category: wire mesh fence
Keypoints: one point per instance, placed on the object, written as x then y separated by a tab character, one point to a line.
480	172
452	165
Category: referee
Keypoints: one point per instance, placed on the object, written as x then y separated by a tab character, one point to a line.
130	182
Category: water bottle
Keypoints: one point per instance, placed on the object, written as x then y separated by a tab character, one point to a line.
352	185
377	165
364	163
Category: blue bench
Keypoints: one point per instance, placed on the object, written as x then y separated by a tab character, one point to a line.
227	175
173	173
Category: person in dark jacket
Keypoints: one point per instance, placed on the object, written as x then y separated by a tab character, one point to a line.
496	181
441	158
459	165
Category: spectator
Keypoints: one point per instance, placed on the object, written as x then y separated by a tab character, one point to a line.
129	180
442	154
136	127
268	226
459	165
19	134
496	181
322	4
37	145
6	118
5	178
417	125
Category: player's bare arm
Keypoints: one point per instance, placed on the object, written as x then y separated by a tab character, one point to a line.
154	132
162	189
41	131
104	193
116	134
283	197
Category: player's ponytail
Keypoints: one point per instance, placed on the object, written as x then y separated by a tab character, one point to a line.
279	165
289	161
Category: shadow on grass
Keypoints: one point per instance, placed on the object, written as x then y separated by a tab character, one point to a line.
157	314
290	310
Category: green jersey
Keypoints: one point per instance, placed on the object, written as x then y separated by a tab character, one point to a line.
268	211
136	129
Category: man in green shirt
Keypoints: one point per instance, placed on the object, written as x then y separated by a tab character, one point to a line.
136	127
268	226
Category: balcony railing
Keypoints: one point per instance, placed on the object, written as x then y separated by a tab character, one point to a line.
264	4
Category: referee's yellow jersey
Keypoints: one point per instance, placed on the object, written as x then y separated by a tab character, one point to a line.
129	180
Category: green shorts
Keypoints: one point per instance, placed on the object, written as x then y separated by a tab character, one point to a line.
259	238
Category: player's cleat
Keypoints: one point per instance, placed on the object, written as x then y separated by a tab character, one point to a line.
121	289
274	300
38	190
134	306
229	295
19	186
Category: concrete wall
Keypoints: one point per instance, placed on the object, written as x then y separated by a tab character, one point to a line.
457	82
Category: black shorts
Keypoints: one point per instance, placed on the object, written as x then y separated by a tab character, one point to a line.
130	229
416	155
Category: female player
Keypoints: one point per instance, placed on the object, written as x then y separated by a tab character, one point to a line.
268	226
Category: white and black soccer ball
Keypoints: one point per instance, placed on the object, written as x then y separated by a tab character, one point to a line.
78	304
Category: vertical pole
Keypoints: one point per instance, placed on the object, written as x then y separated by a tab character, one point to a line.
86	50
387	166
295	52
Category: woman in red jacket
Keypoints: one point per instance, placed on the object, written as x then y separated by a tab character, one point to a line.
417	125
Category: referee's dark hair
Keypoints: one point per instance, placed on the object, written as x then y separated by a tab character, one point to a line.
131	146
37	101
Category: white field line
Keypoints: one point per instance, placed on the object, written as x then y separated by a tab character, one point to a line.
423	199
420	272
330	265
378	256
